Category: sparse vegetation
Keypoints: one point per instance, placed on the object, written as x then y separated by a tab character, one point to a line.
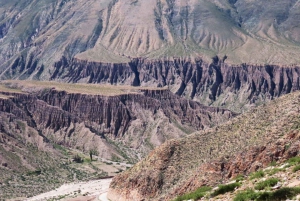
199	193
115	158
239	178
294	160
296	168
93	152
78	159
278	195
274	171
34	173
246	195
222	189
257	175
273	163
267	183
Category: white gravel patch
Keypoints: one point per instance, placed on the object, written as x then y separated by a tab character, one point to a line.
97	188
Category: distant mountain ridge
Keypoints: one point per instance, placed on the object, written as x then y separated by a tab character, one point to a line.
112	31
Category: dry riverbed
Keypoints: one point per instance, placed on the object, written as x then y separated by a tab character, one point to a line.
79	191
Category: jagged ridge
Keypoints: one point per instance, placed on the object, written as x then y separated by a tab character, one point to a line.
218	84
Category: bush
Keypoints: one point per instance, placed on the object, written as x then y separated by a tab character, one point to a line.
275	170
93	152
258	174
239	178
278	195
199	193
226	188
34	173
77	159
246	195
267	183
296	168
294	160
273	163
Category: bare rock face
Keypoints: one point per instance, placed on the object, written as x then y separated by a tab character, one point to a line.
234	87
85	121
240	146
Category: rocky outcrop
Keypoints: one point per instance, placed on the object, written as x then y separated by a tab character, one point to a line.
93	72
130	118
218	84
240	146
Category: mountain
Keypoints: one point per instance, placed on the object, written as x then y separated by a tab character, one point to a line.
242	145
44	125
110	31
118	79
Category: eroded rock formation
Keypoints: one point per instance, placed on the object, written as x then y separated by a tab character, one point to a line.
140	121
218	84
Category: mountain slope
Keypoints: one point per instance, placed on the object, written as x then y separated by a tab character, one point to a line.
42	32
45	125
242	145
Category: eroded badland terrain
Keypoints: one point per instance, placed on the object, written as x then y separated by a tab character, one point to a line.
139	100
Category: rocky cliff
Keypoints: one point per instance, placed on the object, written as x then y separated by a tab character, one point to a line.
138	121
217	84
240	146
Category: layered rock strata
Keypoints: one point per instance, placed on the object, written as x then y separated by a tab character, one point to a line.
138	121
219	84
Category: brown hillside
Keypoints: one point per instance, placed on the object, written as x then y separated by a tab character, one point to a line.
209	157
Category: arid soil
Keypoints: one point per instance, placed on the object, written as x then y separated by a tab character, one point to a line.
91	190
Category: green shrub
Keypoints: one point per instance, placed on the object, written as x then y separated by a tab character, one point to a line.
257	175
278	195
267	183
246	195
226	188
296	168
294	160
275	170
287	146
34	173
77	159
199	193
273	163
239	178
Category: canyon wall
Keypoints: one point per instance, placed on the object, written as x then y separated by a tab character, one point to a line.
218	84
136	122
